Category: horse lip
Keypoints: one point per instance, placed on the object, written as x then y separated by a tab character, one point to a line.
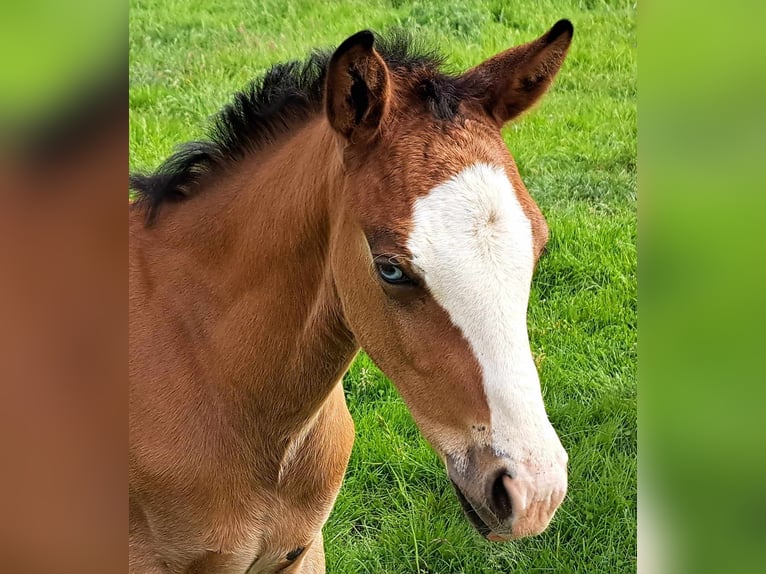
473	501
475	518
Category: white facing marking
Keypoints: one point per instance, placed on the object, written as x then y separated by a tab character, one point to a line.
473	243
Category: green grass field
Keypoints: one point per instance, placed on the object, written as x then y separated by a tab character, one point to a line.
577	154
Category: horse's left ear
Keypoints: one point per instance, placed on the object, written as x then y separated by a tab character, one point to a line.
511	82
358	88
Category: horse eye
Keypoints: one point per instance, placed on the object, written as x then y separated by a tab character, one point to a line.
392	273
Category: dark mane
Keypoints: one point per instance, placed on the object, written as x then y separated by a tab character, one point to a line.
287	94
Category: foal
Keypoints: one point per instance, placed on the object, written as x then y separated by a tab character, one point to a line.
360	200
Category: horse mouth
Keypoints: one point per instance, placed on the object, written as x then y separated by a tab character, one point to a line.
470	512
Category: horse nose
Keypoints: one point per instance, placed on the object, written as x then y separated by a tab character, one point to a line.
499	498
506	499
523	507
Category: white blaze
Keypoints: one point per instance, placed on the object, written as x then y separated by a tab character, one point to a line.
473	243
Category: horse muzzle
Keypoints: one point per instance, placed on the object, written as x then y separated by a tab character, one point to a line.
505	500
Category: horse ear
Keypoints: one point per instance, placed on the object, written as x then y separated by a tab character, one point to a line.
358	87
511	82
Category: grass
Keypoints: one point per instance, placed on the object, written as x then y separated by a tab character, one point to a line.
577	153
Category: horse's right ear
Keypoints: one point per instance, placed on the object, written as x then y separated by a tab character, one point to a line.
357	89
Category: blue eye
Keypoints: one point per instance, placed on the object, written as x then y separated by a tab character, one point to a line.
391	273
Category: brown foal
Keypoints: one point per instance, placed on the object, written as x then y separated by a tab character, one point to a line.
359	199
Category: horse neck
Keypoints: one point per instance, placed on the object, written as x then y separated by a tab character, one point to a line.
258	247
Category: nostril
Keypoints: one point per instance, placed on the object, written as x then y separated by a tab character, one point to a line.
500	499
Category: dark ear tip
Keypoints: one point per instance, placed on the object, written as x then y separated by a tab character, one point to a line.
364	39
559	29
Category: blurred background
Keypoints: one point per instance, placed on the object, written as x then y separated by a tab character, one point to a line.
701	250
63	320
